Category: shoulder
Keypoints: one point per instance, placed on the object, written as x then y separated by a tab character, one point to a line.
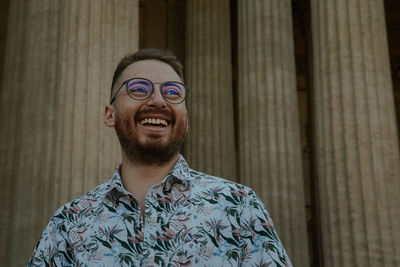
210	181
217	188
68	223
83	206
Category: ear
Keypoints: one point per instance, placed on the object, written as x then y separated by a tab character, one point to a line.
187	126
109	116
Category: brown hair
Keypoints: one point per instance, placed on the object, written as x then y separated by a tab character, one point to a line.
148	53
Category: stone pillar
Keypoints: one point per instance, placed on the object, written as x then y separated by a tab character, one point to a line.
356	141
59	61
269	136
3	32
209	146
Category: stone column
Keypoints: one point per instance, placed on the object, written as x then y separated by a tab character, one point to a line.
209	146
59	61
269	136
356	141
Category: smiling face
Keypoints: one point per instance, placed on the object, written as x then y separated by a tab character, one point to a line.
150	131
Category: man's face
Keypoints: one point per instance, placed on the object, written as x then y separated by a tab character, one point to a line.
150	131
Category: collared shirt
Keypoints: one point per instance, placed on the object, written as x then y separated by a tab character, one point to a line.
191	219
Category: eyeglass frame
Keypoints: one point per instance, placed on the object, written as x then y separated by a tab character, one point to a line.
152	90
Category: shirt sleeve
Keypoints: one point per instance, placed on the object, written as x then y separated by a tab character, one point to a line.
52	248
260	243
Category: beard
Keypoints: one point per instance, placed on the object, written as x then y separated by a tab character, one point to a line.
154	149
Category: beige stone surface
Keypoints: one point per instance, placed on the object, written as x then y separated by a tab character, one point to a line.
356	145
269	136
209	146
59	61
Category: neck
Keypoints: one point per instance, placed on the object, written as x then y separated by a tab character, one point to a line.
138	178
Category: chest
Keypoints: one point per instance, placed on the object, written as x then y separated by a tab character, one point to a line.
175	229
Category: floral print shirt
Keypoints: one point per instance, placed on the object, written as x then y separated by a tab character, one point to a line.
191	219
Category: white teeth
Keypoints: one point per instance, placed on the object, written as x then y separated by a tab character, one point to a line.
154	121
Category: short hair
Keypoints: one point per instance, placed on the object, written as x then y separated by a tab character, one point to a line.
148	53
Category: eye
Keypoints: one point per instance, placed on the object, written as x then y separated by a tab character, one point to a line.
172	90
139	88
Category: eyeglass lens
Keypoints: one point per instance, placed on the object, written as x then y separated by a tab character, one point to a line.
141	89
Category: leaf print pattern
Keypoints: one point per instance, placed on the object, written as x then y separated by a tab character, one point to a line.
192	219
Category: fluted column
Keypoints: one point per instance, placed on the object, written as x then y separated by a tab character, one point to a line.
209	146
269	136
59	61
356	145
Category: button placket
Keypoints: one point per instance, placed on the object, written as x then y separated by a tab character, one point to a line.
150	215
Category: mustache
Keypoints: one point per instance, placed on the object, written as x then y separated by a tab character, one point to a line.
155	111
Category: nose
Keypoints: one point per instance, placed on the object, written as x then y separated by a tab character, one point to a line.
156	99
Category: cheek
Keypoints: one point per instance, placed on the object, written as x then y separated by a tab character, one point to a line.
183	123
181	115
125	120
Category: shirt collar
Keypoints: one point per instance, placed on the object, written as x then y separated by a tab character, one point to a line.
180	173
181	170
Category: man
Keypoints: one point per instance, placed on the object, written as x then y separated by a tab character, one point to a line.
156	211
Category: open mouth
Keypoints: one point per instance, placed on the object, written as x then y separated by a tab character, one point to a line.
154	122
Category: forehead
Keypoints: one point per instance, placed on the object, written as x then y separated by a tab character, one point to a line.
154	70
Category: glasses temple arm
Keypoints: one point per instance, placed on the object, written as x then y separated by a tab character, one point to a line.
115	95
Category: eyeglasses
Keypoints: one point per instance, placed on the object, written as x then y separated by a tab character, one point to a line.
140	89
